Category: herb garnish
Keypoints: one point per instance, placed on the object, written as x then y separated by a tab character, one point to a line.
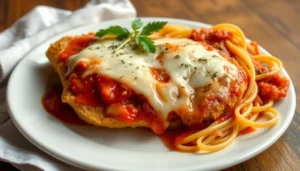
177	57
137	37
215	75
202	60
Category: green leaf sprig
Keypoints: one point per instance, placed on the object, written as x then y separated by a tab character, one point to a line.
137	37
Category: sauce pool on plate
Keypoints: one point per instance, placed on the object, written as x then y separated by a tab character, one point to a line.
54	106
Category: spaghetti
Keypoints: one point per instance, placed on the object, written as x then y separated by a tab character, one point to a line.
220	134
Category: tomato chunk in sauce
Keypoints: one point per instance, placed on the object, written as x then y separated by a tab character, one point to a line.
273	88
210	35
212	39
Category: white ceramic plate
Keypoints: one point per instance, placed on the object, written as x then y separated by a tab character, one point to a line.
118	149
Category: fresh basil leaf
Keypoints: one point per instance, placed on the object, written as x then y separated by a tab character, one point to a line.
120	32
146	43
136	24
101	32
141	38
153	27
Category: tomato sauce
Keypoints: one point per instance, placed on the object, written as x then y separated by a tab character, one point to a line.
212	39
273	88
259	68
210	35
160	75
54	106
76	45
255	47
229	113
247	130
172	137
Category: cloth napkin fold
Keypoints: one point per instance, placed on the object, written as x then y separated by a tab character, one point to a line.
37	26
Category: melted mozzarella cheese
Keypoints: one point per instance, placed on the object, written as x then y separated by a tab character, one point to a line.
188	64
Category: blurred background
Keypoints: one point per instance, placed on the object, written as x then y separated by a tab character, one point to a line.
275	25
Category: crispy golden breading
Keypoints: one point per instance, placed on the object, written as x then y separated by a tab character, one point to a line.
90	114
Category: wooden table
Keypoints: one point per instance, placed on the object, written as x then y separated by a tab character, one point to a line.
275	25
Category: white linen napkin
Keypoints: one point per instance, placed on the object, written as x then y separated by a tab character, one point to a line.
37	26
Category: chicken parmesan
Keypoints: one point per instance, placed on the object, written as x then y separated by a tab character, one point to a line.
192	78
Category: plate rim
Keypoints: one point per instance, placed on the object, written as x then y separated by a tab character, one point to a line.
79	164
